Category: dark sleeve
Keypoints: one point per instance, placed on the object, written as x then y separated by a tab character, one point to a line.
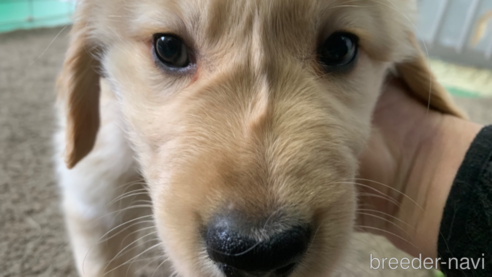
466	226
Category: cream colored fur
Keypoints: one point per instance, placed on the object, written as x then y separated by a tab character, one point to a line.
257	126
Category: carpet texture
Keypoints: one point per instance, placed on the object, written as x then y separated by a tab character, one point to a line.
32	235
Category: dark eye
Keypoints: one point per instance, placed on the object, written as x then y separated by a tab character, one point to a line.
171	51
338	51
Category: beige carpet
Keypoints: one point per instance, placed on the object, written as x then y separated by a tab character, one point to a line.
32	236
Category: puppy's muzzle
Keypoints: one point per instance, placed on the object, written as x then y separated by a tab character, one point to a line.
232	245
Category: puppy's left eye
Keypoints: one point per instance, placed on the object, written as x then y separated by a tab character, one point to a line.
171	51
338	51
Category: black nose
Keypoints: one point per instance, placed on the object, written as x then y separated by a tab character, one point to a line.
238	253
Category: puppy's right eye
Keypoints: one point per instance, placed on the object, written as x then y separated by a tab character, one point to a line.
171	51
339	51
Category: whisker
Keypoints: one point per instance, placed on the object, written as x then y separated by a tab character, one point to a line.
126	228
394	190
388	221
153	259
124	223
373	189
129	261
101	239
128	194
163	262
122	251
137	231
380	197
390	233
311	243
388	215
128	208
49	45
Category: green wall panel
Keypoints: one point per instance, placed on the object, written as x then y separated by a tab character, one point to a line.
26	14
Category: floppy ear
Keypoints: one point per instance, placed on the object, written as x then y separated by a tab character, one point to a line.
422	83
78	86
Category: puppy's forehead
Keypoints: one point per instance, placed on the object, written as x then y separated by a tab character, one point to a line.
208	21
213	27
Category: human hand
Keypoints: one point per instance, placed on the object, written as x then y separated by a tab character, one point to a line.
408	168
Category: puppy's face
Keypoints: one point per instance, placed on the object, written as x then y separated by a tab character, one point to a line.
247	118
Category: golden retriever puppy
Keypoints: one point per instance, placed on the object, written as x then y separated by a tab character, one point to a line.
245	118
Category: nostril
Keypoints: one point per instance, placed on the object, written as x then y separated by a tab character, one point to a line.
278	254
